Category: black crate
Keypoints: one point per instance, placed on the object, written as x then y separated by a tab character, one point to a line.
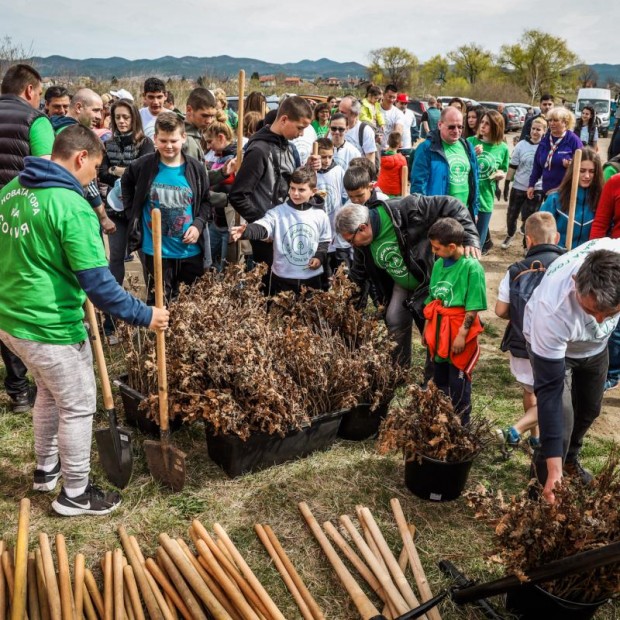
237	457
360	422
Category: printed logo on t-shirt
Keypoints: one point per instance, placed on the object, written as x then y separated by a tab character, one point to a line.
174	202
459	169
443	291
299	244
390	258
487	165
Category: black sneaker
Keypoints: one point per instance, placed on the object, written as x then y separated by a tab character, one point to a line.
23	403
46	480
94	501
576	469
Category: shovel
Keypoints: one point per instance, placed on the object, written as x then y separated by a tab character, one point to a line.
114	442
166	463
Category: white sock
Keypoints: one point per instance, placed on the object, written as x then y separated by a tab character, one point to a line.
74	492
47	468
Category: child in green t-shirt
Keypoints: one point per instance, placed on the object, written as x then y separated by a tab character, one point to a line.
457	292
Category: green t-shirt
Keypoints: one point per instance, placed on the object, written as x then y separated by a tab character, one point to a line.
458	163
608	172
41	137
46	235
385	252
459	285
494	157
321	131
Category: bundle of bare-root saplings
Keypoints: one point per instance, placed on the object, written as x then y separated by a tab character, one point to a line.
273	374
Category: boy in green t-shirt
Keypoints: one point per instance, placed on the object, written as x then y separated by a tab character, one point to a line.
457	292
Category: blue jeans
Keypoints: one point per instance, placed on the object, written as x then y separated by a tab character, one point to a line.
613	372
454	384
482	225
219	245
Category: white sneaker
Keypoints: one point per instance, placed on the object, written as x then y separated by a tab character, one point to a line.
506	244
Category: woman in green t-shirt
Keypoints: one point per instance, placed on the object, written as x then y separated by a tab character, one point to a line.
493	159
320	123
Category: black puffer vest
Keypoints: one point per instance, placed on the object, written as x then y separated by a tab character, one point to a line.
121	150
16	117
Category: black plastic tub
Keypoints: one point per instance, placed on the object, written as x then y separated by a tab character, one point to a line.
531	602
438	481
237	457
360	422
133	416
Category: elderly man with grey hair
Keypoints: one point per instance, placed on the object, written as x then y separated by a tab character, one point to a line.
393	254
359	135
567	323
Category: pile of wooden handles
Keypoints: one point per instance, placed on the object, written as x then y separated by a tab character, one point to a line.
374	562
215	582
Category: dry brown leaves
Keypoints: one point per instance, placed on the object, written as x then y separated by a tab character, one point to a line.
427	426
532	532
247	364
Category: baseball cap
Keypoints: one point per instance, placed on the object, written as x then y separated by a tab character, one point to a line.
122	94
402	98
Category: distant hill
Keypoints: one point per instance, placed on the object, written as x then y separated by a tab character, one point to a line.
193	67
607	73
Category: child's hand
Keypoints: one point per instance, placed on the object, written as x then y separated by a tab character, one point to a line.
191	235
459	344
566	162
229	167
478	149
314	162
499	175
314	263
236	232
530	193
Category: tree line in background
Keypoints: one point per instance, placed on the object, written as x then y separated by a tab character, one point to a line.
538	63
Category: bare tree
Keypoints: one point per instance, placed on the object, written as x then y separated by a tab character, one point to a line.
588	76
12	53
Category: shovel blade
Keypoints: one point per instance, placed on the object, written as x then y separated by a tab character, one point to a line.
166	463
116	458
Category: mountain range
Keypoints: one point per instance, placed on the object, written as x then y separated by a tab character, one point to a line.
192	67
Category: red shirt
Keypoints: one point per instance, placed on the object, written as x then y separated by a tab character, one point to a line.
389	175
608	211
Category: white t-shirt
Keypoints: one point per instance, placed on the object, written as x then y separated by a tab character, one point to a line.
392	117
332	183
408	123
554	323
296	236
148	122
304	143
345	153
369	145
523	158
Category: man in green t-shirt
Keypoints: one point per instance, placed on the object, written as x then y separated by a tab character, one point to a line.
445	164
52	259
392	255
25	131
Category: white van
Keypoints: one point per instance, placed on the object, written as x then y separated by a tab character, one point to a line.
600	100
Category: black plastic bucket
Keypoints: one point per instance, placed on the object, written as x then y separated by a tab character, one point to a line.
438	481
360	422
237	457
133	415
531	602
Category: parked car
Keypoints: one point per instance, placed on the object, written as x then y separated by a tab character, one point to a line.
418	108
445	100
516	114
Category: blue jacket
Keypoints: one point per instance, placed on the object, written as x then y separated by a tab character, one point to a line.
430	174
584	216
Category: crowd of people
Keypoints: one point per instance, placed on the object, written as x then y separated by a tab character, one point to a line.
316	188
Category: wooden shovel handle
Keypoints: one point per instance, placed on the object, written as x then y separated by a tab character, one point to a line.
94	593
79	566
117	572
64	578
404	181
167	587
18	605
51	585
3	592
132	589
365	607
41	587
106	389
34	609
162	377
572	205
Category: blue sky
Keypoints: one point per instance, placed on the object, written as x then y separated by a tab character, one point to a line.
281	31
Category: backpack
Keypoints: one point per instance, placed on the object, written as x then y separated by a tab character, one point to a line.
614	162
363	125
524	278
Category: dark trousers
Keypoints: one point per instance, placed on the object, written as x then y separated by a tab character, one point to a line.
613	373
263	253
333	260
15	381
520	204
455	384
176	271
584	383
280	285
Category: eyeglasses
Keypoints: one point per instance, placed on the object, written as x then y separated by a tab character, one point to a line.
338	129
352	239
453	127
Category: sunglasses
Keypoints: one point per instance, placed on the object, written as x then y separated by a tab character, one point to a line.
453	127
338	129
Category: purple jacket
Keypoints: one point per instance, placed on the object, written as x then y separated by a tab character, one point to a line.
552	177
